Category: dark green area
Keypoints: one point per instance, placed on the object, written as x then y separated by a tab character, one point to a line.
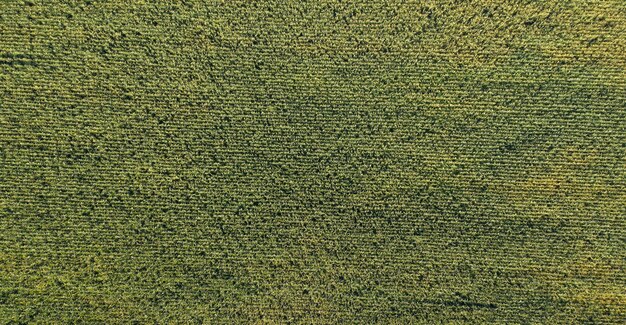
312	162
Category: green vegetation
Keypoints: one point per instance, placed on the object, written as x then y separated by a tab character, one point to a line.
312	161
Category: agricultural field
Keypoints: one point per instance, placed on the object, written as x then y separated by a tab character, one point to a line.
312	162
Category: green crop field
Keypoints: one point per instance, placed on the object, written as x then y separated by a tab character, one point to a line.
312	162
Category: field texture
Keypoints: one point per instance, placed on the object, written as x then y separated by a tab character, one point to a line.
270	162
